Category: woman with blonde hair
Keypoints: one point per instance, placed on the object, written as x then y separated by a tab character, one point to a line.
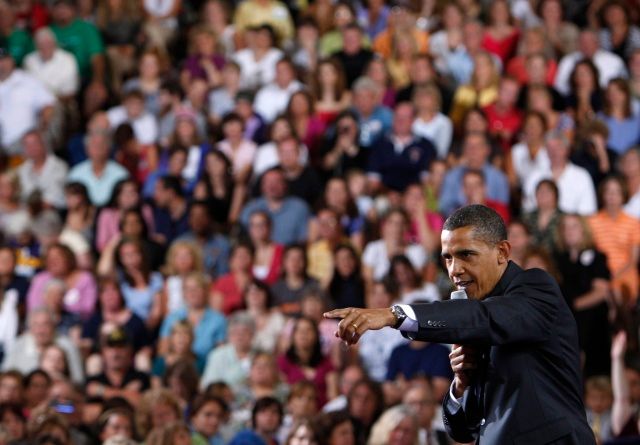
585	284
174	433
481	91
399	64
396	426
157	407
183	258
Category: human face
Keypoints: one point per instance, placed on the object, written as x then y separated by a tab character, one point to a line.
302	436
284	74
116	358
149	66
53	361
162	414
240	336
181	341
294	262
403	120
132	225
365	101
259	229
33	147
342	434
10	390
303	404
195	295
130	256
472	264
558	151
404	433
7	262
546	198
362	403
129	196
473	188
572	231
273	185
289	153
208	419
518	237
327	74
304	335
256	297
420	400
533	129
37	391
394	226
612	195
14	425
183	260
268	420
182	437
475	151
199	220
241	260
42	328
345	262
117	425
263	371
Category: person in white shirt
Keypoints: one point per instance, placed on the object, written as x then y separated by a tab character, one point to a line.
430	123
272	99
132	111
577	192
258	60
630	169
609	64
54	67
530	154
42	171
25	103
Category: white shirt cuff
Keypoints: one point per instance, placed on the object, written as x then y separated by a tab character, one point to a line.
410	324
453	404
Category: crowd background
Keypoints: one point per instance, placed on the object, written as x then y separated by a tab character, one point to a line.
186	186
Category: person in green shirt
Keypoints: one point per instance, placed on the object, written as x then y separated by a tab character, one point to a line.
16	40
83	40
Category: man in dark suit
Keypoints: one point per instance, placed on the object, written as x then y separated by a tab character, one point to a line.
517	373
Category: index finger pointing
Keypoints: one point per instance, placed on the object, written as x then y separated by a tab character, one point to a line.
336	313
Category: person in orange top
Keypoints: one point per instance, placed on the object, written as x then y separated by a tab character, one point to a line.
401	19
617	235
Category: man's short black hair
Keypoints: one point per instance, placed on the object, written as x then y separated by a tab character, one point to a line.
486	223
171	182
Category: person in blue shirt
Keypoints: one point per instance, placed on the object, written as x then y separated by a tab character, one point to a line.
475	156
215	246
290	215
374	119
400	158
209	326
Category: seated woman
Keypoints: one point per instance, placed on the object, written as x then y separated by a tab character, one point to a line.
304	360
269	322
209	326
268	254
586	286
397	422
227	291
60	263
295	282
207	415
113	311
179	348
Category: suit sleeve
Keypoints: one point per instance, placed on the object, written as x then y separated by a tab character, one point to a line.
525	315
462	425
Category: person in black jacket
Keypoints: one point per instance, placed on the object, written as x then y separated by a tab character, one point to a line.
515	358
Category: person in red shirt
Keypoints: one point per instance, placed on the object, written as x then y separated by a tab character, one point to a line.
475	192
504	118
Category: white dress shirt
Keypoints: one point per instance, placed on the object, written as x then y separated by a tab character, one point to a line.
59	74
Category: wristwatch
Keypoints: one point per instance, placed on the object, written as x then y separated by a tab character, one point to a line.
397	312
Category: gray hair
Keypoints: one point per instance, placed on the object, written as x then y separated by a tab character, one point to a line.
45	33
388	421
53	318
557	135
243	319
365	83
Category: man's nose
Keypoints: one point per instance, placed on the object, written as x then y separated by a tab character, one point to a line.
455	268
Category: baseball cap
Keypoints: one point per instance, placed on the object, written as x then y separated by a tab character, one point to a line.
117	337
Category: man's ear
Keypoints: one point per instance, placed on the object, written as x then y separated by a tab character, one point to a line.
504	251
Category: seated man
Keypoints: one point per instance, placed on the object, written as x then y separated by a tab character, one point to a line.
400	158
118	377
290	215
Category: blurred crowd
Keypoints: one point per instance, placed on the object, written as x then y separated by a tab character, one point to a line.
187	185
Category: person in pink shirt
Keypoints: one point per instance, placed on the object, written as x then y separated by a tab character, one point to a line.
60	263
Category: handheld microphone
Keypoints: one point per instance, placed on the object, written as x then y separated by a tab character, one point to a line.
459	294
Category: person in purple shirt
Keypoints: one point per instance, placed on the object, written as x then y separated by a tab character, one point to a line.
205	63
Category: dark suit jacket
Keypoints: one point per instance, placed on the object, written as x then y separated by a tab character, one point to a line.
528	387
